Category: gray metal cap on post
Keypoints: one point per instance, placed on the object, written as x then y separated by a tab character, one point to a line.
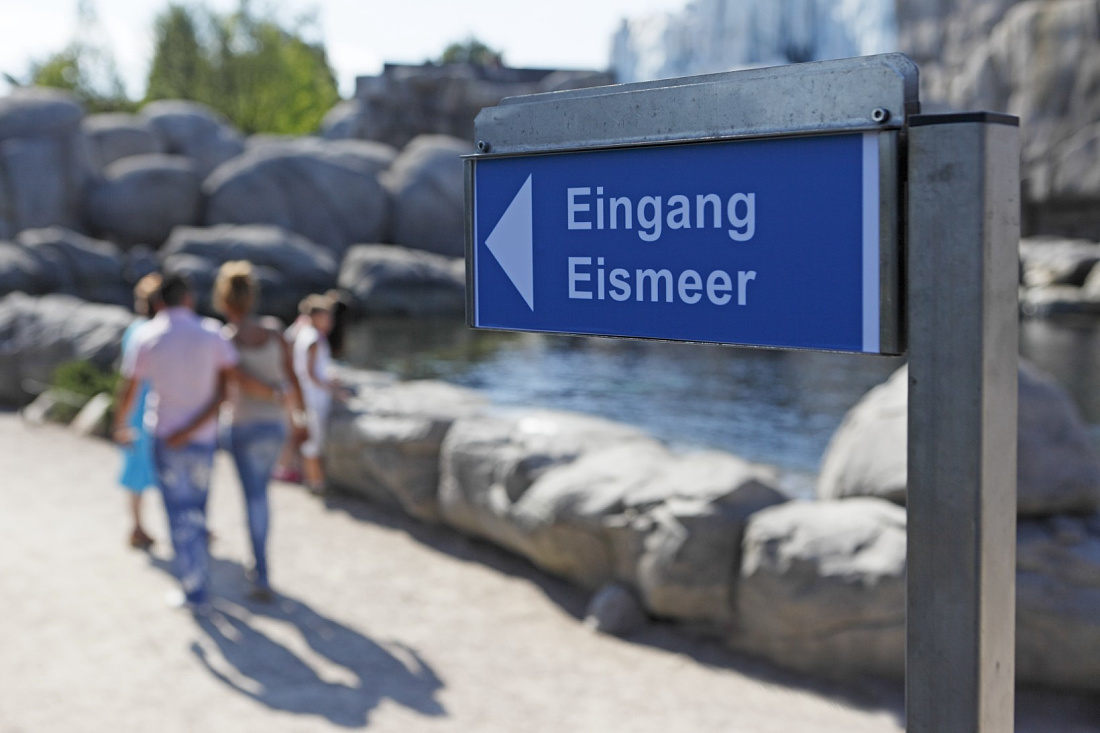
846	95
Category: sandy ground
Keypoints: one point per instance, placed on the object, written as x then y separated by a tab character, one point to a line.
380	623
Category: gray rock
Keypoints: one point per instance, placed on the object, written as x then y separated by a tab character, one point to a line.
822	587
141	198
428	191
38	111
670	525
331	196
386	444
287	265
614	610
115	136
1055	261
1057	468
867	455
410	100
1090	291
44	160
490	461
344	121
1057	602
1059	300
390	280
365	156
193	130
138	262
39	334
73	264
20	271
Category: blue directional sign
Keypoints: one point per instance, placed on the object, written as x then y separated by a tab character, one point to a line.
770	242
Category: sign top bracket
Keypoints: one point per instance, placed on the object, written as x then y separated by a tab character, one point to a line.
846	95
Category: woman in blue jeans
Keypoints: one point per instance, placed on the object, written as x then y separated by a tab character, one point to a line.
257	427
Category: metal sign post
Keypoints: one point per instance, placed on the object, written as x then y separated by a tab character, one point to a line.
964	204
764	208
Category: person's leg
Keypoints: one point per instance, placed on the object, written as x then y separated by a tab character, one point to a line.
183	476
139	538
255	449
317	416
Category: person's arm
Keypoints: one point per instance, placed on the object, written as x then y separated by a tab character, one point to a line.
132	370
181	437
122	433
254	387
311	367
296	405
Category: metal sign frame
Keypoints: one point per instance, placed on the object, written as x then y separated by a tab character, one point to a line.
866	95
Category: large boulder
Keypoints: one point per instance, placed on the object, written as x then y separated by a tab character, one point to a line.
287	265
1056	261
44	160
1049	301
195	131
1057	467
115	136
489	461
822	587
141	198
386	444
668	525
396	281
344	121
73	264
39	334
428	191
21	271
1058	602
333	197
365	156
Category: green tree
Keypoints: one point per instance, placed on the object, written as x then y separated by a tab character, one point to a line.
471	51
262	74
85	68
179	69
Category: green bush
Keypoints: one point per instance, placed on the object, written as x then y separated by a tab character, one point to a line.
80	380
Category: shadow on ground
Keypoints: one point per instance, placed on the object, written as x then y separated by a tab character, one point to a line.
1037	710
289	657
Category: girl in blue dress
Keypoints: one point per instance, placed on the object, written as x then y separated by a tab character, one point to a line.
137	457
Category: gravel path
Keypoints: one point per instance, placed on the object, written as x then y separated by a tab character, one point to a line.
380	623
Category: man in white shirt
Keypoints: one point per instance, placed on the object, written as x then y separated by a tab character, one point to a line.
187	364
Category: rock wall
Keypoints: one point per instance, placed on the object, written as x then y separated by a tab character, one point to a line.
700	539
175	187
406	101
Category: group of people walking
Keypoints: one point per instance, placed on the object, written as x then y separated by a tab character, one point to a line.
184	376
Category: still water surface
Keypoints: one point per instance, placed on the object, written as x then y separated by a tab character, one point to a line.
772	407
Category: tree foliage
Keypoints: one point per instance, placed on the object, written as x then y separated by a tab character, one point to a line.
471	51
265	76
85	68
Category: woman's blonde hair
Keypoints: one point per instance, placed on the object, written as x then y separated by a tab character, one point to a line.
316	303
235	288
147	294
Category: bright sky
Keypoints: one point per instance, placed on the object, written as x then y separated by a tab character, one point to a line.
359	34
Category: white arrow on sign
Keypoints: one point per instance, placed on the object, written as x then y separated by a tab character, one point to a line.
512	244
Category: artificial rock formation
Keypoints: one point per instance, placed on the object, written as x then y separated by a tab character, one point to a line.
386	280
333	198
287	266
39	334
1057	467
44	161
141	198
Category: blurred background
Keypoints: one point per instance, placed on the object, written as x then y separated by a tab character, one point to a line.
321	141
